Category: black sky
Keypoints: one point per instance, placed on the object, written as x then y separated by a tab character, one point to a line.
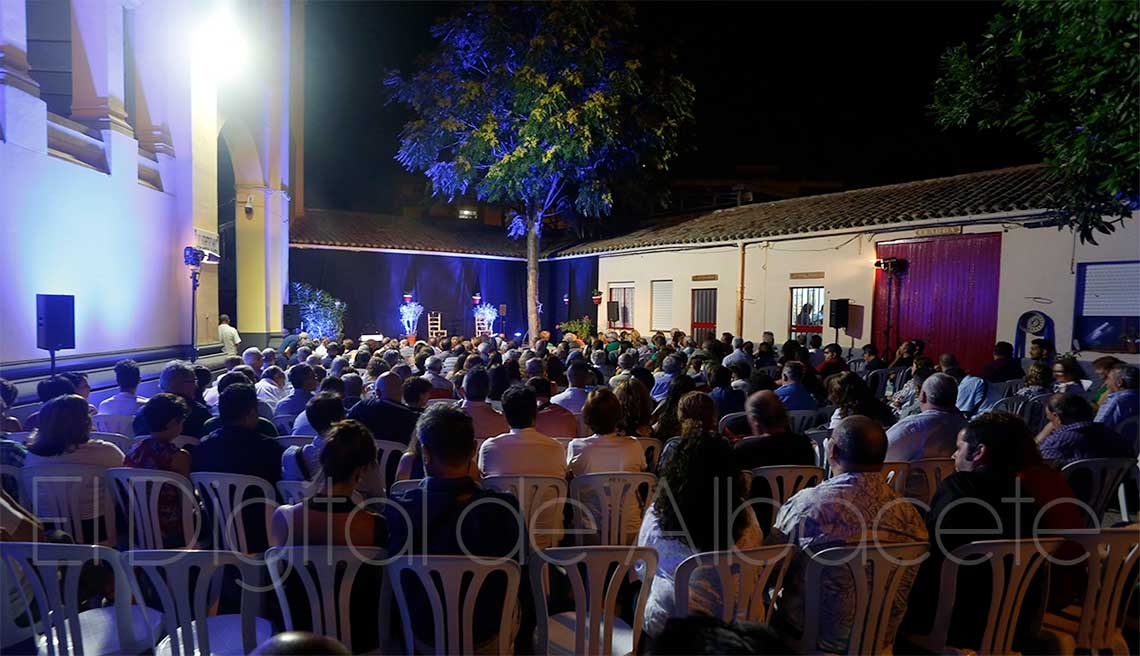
821	90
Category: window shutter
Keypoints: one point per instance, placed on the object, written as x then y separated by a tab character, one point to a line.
661	295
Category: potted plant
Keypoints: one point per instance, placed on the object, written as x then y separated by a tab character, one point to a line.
596	296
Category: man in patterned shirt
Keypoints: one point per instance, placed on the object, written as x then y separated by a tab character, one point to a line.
855	505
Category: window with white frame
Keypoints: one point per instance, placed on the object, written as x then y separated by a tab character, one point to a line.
622	294
661	296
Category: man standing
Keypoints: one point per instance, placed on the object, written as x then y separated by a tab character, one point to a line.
228	335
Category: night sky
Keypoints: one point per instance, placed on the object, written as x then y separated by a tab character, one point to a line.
823	91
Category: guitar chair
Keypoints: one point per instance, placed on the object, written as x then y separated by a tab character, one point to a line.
876	572
596	575
51	575
137	494
1013	563
749	580
451	585
1096	624
54	492
327	574
187	586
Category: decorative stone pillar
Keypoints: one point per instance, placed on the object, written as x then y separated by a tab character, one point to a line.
23	116
97	65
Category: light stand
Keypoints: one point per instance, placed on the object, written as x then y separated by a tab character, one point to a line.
893	267
194	258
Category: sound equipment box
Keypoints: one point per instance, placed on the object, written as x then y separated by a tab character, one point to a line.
291	316
55	322
837	313
613	312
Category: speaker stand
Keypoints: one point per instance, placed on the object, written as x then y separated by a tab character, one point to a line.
194	272
51	354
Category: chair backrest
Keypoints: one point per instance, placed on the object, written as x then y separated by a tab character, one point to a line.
772	371
451	584
120	424
596	574
564	441
932	471
1010	387
611	496
785	480
292	491
224	493
1113	557
284	424
447	400
1010	404
667	452
801	420
748	580
51	573
183	441
59	494
903	378
22	437
388	455
728	419
10	480
652	448
399	487
877	380
1033	412
1095	480
122	441
896	473
817	436
541	499
876	572
138	495
287	441
327	574
187	585
1013	564
1129	428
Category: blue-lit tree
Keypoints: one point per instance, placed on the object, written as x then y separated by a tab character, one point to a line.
541	108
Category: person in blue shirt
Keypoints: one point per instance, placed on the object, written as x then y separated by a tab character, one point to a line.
728	400
792	392
1123	398
304	382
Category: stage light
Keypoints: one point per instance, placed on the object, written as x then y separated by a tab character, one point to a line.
518	334
219	45
891	265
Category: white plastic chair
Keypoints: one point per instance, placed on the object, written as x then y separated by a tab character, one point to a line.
451	584
564	441
541	499
120	424
748	580
1010	404
55	494
785	480
122	441
652	451
284	424
51	573
596	574
1122	495
1013	564
931	471
800	421
1096	624
10	480
896	473
612	496
399	487
187	584
876	573
1095	480
728	419
292	492
294	440
327	574
137	492
386	451
817	436
225	492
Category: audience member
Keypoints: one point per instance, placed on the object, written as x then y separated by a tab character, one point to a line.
696	415
488	423
833	362
670	368
1003	367
178	378
353	390
1070	434
851	396
738	355
1102	366
9	393
63	437
1122	400
434	375
771	442
264	426
816	354
792	392
253	359
271	387
918	378
553	420
384	414
304	382
1067	375
741	377
1042	351
871	361
669	423
625	364
702	511
82	388
933	433
165	413
909	390
127	401
699	634
872	515
1038	380
636	409
574	396
728	400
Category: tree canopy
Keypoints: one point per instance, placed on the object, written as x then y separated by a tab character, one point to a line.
1065	74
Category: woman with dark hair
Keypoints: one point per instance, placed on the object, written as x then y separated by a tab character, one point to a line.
697	418
1067	375
502	377
1038	380
699	514
669	424
63	437
636	408
851	396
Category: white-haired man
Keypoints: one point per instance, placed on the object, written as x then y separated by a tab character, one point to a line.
434	374
252	356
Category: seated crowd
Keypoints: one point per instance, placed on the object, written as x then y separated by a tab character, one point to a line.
445	420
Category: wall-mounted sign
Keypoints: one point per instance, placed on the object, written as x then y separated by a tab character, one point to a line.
705	277
938	230
207	241
806	275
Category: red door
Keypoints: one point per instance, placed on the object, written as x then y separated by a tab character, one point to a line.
948	297
704	315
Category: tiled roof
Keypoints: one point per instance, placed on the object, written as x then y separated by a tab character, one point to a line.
972	194
362	230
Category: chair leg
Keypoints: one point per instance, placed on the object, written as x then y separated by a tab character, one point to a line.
1122	497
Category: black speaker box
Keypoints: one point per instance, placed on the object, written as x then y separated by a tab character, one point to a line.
837	313
613	312
55	322
291	316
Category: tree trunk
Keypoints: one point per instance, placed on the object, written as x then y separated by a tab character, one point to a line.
532	324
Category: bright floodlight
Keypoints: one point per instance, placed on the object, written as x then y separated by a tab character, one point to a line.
219	45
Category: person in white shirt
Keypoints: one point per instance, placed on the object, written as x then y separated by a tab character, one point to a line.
271	387
252	357
126	403
737	355
574	397
434	375
932	433
228	335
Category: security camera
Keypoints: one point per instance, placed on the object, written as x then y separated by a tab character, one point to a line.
249	205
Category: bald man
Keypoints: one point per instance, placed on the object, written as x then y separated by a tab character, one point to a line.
771	443
855	505
385	414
